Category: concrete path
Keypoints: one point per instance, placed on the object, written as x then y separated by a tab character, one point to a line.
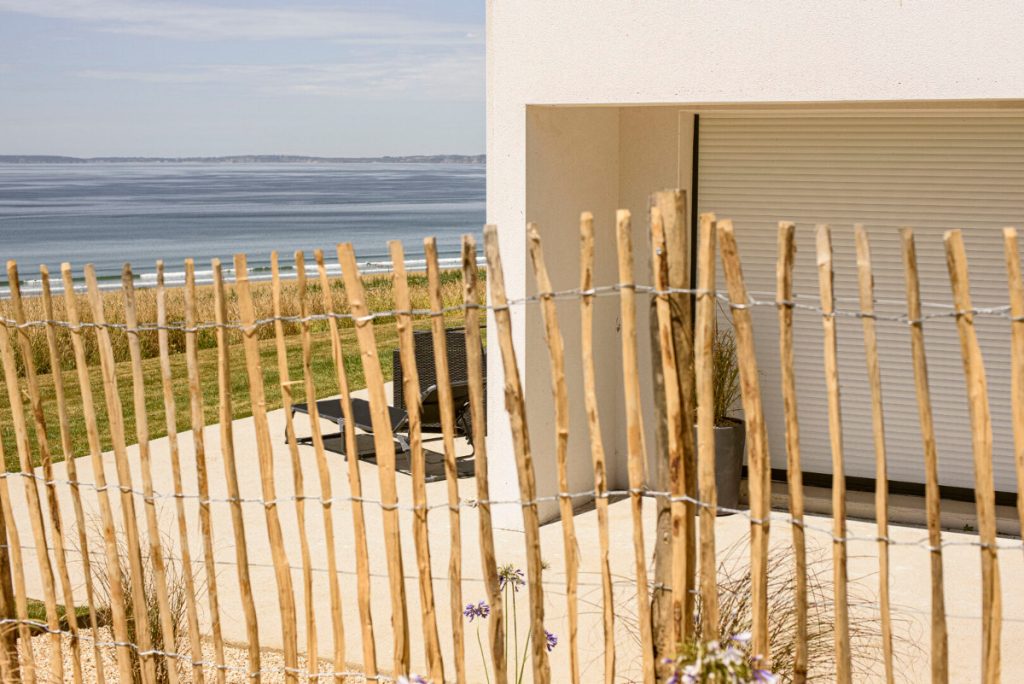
910	573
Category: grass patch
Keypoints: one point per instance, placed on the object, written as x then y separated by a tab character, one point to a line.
37	612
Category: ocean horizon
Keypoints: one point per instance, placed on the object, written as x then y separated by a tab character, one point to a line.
109	214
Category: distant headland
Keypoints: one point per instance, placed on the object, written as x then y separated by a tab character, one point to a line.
245	159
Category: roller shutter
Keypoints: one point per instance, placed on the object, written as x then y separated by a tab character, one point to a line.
933	172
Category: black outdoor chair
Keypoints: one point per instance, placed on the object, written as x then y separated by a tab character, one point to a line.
458	376
430	404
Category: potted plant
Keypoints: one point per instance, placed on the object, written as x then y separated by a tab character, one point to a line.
730	433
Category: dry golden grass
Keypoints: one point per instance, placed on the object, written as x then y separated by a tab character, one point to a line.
378	293
380	298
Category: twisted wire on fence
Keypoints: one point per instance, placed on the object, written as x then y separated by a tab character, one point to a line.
588	494
187	659
1001	311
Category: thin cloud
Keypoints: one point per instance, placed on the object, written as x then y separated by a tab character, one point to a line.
195	21
442	77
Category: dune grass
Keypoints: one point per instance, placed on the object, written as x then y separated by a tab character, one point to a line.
379	297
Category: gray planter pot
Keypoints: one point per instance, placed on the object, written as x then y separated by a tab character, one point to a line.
730	441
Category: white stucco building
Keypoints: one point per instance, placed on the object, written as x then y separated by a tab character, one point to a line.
885	113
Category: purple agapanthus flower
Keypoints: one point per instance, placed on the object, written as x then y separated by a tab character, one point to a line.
480	610
510	575
413	679
688	675
552	641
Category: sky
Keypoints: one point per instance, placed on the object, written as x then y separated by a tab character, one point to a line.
221	77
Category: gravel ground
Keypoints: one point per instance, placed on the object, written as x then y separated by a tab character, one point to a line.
272	662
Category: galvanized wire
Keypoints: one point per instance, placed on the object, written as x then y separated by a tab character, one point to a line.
776	516
802	302
205	664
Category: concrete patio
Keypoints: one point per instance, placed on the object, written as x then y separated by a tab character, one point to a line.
910	584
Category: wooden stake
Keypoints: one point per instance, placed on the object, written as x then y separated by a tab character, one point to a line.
672	207
170	413
831	353
1013	276
10	667
444	391
759	461
202	477
356	491
227	450
25	457
17	567
596	438
118	612
516	407
156	556
794	471
637	456
265	452
284	380
866	283
384	444
939	645
556	357
677	239
981	439
704	341
680	626
115	417
474	365
324	474
411	392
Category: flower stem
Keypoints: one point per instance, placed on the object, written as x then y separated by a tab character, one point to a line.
526	648
480	644
515	629
504	617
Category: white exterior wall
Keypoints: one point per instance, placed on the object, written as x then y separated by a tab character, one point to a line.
547	163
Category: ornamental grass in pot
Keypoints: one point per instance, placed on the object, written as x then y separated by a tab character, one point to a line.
730	432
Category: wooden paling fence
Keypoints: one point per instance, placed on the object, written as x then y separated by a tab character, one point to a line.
175	579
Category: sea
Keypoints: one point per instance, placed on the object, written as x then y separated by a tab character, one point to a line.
109	214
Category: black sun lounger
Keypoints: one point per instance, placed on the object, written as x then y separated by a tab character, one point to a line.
330	409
